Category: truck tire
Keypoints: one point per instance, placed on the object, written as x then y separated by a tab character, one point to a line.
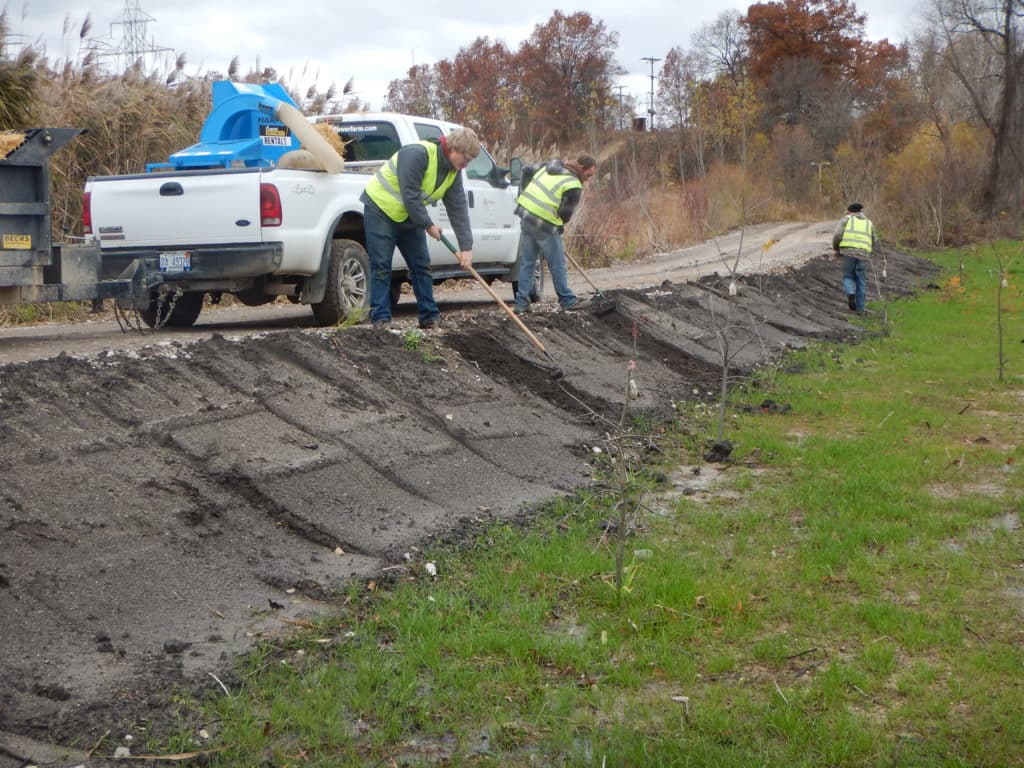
184	314
348	284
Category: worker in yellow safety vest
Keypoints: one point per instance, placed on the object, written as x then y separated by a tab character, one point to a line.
547	201
395	215
853	242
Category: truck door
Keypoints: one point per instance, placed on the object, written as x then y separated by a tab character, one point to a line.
492	204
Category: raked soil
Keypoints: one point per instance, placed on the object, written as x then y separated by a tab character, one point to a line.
166	499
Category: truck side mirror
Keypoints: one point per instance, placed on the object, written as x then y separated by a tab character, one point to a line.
498	176
515	170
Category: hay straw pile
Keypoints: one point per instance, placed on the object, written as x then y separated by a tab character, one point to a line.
303	158
10	141
330	133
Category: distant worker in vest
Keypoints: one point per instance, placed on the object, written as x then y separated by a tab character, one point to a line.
545	205
854	241
395	216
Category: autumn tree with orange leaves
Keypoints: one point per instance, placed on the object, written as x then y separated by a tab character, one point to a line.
558	85
568	68
815	66
484	87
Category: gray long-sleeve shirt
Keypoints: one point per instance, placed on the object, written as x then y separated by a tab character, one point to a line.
412	167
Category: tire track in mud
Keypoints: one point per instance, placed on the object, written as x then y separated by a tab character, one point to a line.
156	506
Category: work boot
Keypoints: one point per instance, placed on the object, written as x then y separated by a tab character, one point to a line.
851	301
432	322
521	310
578	306
381	325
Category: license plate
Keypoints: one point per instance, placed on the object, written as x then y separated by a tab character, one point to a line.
18	242
175	261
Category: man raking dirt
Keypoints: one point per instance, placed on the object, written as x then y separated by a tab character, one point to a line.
550	195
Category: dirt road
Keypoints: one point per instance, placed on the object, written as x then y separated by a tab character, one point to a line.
770	246
165	499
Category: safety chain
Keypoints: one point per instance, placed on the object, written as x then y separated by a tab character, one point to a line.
158	320
128	319
131	319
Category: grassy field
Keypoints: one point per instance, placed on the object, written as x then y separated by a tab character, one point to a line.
848	591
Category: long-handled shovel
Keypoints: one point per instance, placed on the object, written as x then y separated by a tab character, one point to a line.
515	318
603	305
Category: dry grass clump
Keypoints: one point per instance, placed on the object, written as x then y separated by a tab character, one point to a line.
605	231
10	141
130	120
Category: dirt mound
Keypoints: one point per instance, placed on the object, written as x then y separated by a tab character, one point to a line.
160	509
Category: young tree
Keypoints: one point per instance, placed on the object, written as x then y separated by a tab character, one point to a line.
677	85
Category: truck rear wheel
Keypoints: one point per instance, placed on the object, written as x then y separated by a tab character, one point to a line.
348	284
183	314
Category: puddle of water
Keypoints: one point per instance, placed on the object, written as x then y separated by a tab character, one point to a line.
1009	522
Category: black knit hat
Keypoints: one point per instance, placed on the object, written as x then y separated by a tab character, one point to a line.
855	207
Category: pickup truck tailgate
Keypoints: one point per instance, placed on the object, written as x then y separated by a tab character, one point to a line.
179	209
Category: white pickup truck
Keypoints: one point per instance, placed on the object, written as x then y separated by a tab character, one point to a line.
267	231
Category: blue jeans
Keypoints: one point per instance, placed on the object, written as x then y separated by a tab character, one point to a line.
536	242
382	237
855	279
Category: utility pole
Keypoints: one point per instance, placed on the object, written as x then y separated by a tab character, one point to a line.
650	106
821	164
621	88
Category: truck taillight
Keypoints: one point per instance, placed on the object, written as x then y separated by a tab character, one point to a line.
270	206
87	213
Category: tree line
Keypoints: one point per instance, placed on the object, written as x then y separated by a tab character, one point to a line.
931	128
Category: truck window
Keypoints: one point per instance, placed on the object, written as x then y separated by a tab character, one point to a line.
369	140
424	131
480	166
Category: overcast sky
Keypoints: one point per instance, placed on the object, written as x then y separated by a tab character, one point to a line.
375	43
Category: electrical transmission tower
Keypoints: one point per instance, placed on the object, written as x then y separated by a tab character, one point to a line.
135	42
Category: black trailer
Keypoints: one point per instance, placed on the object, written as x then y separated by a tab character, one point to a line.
33	269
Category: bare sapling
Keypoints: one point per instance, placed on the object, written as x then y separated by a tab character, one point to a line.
881	275
724	332
625	452
1002	284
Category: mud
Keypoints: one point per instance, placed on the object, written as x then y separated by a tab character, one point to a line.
162	507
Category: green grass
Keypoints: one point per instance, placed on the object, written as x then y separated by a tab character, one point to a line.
850	596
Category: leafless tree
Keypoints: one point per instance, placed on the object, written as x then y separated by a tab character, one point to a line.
984	51
722	45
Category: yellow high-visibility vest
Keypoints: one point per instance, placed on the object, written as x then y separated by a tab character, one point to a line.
384	189
858	234
543	195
